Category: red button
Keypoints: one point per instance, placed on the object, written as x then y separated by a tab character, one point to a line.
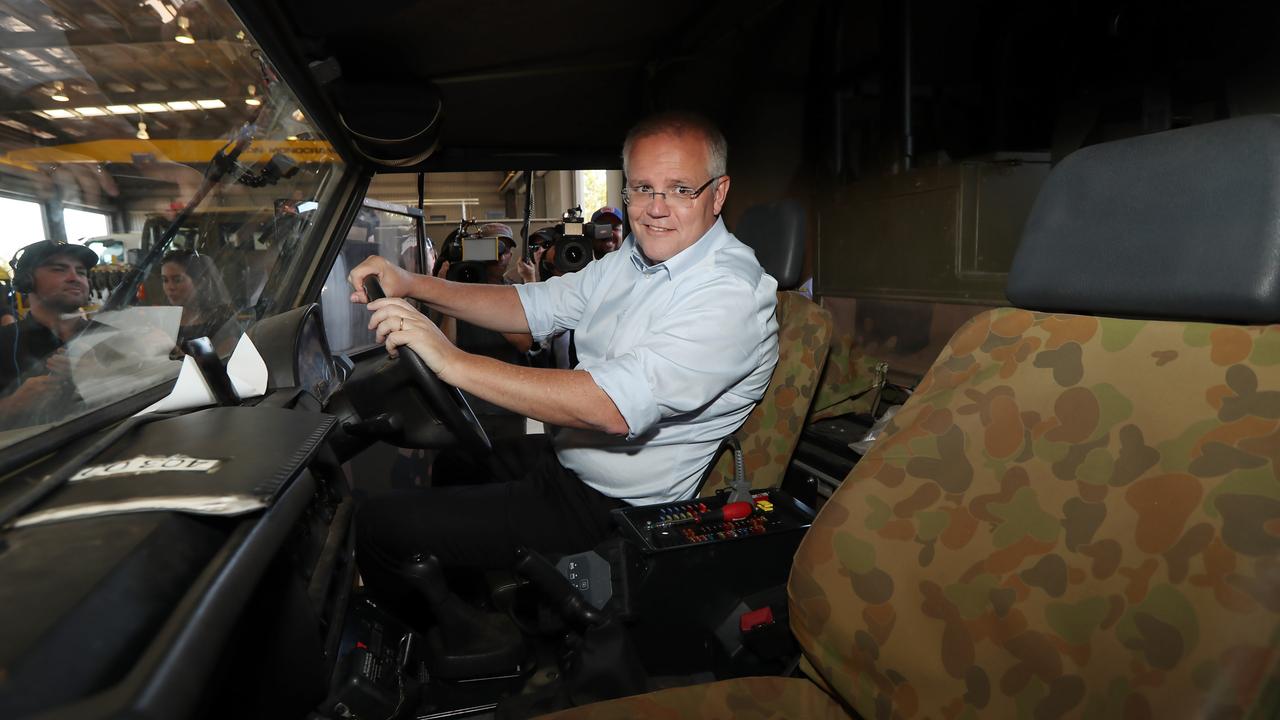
754	619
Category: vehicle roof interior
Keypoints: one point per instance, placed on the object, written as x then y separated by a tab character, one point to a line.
570	77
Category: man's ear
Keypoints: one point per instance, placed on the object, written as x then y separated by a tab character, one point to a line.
722	192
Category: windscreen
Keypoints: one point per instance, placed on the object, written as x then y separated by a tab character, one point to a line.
158	183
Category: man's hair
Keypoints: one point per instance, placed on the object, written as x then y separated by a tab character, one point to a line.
680	122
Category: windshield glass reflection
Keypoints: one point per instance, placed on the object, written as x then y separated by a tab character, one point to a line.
158	183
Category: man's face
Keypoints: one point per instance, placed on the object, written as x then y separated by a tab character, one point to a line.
62	283
494	270
666	227
608	245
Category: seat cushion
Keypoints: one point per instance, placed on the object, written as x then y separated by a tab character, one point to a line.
773	428
1072	516
739	699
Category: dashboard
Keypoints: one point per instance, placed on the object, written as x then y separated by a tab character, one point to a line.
296	351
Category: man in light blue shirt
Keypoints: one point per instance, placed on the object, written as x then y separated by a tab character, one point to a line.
676	340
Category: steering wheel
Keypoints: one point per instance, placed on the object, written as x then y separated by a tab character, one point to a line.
447	401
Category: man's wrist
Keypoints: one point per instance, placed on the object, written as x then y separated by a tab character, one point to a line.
421	288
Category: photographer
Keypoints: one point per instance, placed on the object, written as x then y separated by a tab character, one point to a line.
542	262
612	217
457	265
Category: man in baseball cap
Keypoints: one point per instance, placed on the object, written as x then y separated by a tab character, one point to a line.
54	278
613	216
506	241
498	230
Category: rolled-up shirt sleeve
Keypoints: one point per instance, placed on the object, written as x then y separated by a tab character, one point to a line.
558	303
704	344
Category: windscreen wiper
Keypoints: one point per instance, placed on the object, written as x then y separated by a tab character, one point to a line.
220	164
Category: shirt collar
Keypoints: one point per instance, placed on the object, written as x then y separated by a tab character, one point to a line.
710	241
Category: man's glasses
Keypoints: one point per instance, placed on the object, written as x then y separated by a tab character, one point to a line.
642	195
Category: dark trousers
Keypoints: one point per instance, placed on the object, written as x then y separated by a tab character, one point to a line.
524	498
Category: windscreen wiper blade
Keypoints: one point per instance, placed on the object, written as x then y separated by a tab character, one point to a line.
220	164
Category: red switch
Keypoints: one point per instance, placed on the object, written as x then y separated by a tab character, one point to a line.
756	618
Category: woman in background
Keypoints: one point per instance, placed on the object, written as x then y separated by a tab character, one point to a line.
193	282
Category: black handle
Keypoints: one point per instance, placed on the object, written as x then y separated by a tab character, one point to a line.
562	594
373	288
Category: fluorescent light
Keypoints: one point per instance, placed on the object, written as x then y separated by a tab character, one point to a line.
57	114
91	111
59	94
307	206
297	115
211	104
252	101
292	137
142	132
166	15
181	105
121	109
152	107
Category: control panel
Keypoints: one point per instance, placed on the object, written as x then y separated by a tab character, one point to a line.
708	520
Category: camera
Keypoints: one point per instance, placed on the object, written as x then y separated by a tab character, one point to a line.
573	239
467	251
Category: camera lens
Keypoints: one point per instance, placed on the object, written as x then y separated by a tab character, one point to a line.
467	272
572	255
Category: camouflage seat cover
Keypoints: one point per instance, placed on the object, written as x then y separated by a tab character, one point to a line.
753	698
772	430
1072	517
847	380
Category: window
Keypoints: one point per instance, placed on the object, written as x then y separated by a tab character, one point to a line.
84	224
592	190
23	223
386	230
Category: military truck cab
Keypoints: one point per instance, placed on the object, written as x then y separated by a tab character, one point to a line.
1018	457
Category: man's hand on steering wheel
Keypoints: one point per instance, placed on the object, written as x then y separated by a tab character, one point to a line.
397	323
396	281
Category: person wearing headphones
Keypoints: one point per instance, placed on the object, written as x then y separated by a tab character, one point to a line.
34	372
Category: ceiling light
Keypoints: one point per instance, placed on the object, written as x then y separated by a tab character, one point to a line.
152	107
57	114
252	99
184	35
297	115
58	94
181	105
292	137
91	111
142	131
211	104
121	109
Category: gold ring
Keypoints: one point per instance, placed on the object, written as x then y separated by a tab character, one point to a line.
402	323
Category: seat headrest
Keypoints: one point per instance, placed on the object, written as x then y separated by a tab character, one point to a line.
1182	224
776	232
